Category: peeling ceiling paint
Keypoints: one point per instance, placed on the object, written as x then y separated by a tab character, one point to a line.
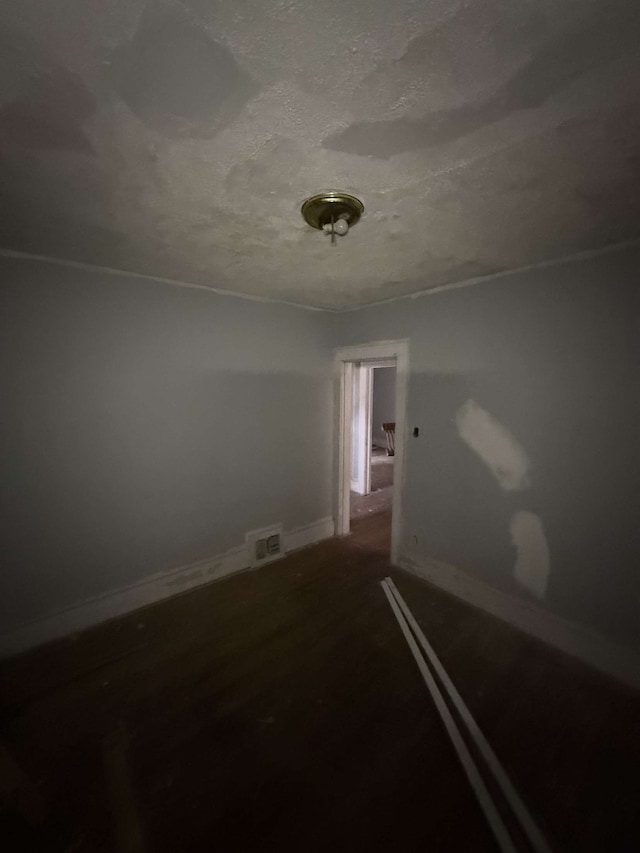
178	139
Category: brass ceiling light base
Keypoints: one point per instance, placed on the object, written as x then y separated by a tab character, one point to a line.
334	212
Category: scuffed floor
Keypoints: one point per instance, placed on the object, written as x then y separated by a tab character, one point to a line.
280	710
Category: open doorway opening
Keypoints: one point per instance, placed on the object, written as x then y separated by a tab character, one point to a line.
371	439
373	443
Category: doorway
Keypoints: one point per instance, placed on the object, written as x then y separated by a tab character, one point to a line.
373	439
370	456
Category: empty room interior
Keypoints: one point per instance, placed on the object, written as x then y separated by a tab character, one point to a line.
320	347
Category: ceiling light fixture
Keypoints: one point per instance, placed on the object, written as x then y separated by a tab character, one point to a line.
333	212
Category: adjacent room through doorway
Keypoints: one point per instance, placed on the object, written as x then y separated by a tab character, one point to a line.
378	498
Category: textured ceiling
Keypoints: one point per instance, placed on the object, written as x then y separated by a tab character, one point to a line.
178	139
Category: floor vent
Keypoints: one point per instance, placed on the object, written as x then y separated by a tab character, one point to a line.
264	545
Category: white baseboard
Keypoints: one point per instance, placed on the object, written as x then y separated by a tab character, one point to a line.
309	534
149	591
571	638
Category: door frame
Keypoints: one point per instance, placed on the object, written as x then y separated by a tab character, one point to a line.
344	360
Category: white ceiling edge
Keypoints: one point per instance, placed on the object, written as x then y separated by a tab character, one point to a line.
81	265
485	279
454	285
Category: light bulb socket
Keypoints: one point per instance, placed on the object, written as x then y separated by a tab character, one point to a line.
319	210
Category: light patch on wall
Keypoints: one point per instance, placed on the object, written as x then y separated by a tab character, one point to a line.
532	564
498	449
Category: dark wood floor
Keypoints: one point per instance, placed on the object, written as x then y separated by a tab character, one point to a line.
280	710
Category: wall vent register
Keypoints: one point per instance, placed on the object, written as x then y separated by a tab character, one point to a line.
264	545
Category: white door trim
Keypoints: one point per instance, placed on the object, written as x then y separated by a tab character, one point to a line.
361	442
367	404
382	362
344	360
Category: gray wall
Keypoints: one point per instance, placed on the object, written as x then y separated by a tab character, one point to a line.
384	402
145	426
551	356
